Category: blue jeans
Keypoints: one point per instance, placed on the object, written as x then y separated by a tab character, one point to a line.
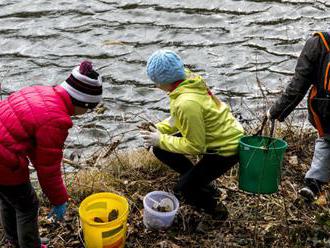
19	207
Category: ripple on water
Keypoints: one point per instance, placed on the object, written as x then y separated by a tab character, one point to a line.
232	43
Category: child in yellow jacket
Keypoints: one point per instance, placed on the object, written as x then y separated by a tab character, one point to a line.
199	124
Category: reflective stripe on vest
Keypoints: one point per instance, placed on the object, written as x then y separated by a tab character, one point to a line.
315	116
326	83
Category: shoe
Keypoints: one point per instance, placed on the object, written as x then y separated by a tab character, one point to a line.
311	190
212	188
44	241
10	244
307	194
220	212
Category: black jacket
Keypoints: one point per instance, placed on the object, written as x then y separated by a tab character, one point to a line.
308	72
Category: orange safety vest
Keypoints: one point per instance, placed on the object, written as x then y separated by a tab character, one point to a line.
319	95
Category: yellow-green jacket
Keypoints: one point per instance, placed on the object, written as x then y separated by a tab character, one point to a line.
205	124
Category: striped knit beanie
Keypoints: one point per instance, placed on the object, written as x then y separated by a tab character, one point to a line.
84	85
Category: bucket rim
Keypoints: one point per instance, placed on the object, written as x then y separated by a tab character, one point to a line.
163	214
284	146
115	223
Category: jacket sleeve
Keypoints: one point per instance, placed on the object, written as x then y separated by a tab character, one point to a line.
301	81
47	159
167	126
190	123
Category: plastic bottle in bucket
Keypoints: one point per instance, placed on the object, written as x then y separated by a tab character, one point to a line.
156	216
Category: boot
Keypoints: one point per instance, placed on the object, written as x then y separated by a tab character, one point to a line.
220	212
212	188
311	190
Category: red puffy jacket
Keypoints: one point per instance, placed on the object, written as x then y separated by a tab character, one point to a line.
34	124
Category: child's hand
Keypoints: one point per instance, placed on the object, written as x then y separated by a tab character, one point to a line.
146	126
150	138
58	211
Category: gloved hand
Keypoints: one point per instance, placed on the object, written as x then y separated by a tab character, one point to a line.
146	126
58	211
150	138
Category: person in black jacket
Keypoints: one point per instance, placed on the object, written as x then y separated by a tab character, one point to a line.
311	73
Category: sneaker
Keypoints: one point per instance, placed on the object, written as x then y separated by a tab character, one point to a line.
9	244
311	189
44	241
307	193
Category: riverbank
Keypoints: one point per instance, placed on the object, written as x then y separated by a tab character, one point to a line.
278	220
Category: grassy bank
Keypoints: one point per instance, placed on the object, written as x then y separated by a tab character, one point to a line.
278	220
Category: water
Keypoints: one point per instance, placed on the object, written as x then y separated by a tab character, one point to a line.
230	42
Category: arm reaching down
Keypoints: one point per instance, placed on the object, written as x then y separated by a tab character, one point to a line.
47	158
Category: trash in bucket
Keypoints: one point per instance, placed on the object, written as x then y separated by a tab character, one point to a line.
103	218
160	209
165	205
113	214
260	163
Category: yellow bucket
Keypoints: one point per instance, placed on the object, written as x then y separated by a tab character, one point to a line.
109	234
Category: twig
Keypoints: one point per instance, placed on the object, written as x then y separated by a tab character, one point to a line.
80	237
72	163
286	219
113	146
255	238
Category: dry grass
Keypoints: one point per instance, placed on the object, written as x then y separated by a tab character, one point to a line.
277	220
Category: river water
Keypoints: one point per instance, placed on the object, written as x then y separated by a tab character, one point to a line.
232	43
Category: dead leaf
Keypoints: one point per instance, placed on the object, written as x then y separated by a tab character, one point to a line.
293	160
321	200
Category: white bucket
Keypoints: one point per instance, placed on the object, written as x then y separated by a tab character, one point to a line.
158	220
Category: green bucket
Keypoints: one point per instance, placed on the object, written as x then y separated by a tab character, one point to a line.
260	163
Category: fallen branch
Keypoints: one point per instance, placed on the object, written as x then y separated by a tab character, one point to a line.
72	163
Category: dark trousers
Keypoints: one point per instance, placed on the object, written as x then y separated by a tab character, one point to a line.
19	207
195	179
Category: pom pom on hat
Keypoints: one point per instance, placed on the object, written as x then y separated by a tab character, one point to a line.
84	85
164	67
86	67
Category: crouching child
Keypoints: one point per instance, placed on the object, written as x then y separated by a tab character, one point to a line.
199	124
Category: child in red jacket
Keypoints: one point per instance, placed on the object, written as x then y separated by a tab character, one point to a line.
34	124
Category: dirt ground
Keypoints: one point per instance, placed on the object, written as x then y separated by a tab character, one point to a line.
281	219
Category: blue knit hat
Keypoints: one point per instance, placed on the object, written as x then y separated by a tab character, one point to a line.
164	67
